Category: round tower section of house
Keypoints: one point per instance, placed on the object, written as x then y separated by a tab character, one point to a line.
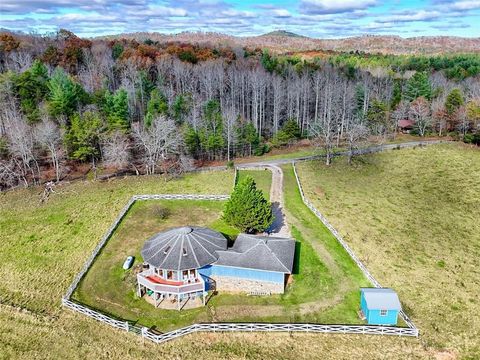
174	257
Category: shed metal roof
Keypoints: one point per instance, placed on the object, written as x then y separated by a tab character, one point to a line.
381	299
183	248
259	253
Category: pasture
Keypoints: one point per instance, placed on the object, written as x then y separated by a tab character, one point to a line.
44	245
413	217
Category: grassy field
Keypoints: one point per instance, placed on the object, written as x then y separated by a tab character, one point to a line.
320	292
44	245
413	217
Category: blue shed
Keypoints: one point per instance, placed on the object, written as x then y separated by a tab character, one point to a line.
380	306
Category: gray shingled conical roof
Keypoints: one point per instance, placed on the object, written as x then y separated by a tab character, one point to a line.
183	248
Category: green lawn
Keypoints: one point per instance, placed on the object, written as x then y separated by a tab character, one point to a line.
413	217
322	291
43	246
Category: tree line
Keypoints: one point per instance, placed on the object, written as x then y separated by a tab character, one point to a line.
158	107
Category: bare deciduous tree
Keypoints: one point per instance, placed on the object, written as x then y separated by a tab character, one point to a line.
355	132
420	113
157	141
49	136
116	150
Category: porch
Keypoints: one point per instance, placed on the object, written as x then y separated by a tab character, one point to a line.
171	294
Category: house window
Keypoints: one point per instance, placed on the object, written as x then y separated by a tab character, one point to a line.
383	312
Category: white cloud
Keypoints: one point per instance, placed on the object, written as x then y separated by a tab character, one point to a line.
281	13
334	6
465	5
408	16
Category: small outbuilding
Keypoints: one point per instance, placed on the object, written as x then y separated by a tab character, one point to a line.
380	306
406	125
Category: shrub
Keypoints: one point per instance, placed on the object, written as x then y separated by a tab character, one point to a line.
161	212
261	149
472	139
230	164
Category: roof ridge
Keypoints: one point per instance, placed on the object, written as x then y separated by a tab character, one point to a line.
271	252
161	247
203	247
180	253
194	255
170	251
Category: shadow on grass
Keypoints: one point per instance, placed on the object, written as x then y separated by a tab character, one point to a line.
296	258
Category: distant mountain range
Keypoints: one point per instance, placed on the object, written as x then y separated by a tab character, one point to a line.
281	41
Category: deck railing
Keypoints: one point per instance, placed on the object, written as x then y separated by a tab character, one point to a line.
170	289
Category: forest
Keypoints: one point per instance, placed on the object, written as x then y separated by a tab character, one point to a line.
153	106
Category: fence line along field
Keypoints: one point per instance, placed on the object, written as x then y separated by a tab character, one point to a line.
54	239
44	245
412	217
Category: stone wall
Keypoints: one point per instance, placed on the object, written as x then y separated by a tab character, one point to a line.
231	284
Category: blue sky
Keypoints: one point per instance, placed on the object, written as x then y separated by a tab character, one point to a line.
316	18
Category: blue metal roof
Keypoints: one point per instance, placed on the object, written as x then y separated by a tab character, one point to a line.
381	299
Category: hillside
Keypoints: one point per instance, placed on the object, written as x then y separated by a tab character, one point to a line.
284	41
283	33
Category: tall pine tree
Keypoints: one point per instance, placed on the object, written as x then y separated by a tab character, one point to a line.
247	209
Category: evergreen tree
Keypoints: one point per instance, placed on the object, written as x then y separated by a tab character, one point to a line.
180	108
192	141
83	136
31	87
396	95
248	137
157	105
247	209
418	85
212	135
116	110
454	101
359	101
377	116
65	94
291	129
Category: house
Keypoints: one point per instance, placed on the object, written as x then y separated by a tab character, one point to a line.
380	306
406	125
254	264
182	264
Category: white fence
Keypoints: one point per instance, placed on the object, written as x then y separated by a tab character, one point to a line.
347	248
119	218
264	327
225	327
